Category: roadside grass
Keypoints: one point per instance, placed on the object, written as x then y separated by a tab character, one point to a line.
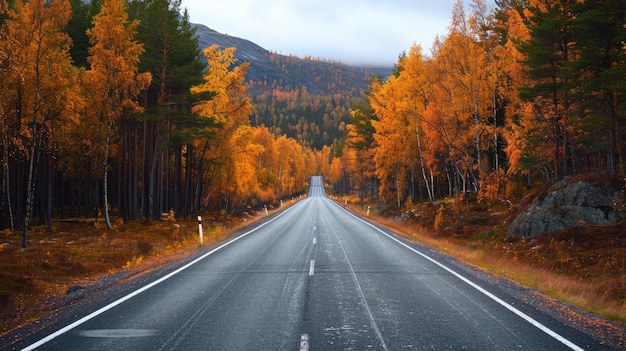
78	253
585	266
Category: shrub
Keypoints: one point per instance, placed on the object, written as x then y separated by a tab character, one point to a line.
145	246
439	221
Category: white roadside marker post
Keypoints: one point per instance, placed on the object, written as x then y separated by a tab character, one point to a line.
200	230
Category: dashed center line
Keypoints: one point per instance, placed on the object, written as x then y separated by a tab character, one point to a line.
312	268
305	344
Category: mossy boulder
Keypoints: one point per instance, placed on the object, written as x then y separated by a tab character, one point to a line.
570	203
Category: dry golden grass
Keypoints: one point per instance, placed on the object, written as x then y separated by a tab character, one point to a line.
80	252
585	266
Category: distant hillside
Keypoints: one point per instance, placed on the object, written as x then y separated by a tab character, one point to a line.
308	100
289	72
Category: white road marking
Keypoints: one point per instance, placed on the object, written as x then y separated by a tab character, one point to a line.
117	333
146	287
311	268
305	343
503	303
314	240
359	290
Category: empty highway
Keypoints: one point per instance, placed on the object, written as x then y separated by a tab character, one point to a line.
314	277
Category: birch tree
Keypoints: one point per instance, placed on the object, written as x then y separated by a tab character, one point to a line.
113	83
37	69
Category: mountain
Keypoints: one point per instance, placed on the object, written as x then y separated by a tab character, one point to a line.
246	50
289	72
306	99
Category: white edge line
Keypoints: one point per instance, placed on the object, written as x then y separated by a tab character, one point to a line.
506	305
146	287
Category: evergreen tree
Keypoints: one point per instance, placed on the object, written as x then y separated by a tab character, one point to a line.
600	69
548	58
360	137
173	57
77	30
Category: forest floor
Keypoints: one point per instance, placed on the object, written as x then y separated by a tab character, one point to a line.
585	267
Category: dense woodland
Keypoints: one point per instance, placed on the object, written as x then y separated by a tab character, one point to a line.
112	110
526	94
313	120
306	99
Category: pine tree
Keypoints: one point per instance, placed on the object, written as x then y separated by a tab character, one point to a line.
82	17
360	137
600	68
173	57
548	58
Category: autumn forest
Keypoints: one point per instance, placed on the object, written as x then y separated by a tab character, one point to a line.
110	109
528	94
107	109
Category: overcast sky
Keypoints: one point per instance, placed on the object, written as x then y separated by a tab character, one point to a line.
359	32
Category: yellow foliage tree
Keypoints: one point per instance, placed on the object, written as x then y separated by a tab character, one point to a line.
464	73
241	182
226	104
399	105
36	76
289	166
113	82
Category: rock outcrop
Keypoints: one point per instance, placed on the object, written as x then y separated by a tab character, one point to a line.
572	203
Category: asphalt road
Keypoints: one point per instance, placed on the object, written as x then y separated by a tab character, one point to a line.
314	278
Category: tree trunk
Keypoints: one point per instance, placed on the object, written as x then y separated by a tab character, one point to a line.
152	184
145	172
188	182
134	180
178	176
197	196
419	150
106	177
50	181
30	188
6	180
32	167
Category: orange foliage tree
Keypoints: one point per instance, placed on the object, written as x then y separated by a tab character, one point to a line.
113	82
464	95
245	166
439	115
399	105
228	107
36	97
